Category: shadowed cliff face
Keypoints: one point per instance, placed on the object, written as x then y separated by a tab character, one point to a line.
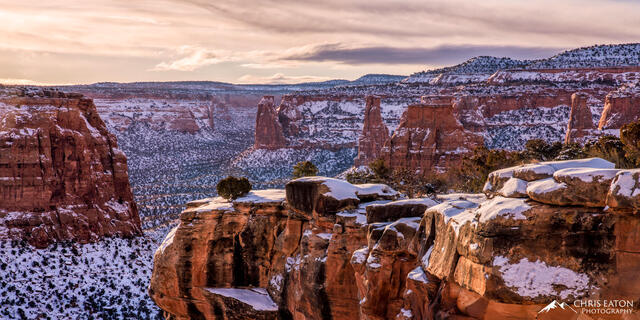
374	133
62	175
317	250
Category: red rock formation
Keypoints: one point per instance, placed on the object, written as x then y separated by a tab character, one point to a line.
269	134
467	257
429	138
580	121
61	174
218	245
621	107
374	133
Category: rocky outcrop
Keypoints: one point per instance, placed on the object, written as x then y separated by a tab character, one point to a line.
61	173
430	138
458	256
269	134
580	118
217	245
621	107
374	133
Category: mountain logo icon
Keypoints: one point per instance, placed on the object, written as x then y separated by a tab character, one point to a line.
554	305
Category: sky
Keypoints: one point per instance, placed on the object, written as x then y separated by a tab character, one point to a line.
288	41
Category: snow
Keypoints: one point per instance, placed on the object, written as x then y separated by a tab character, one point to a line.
61	280
373	262
537	168
360	256
449	209
325	236
338	189
263	196
460	219
375	189
586	174
472	197
257	298
626	184
581	163
513	187
217	203
509	208
534	279
406	313
545	186
425	201
276	281
361	219
418	274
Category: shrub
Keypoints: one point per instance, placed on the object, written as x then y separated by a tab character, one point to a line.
380	169
304	169
609	148
630	137
232	187
475	168
539	149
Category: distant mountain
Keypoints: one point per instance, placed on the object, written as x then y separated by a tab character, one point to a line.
594	56
477	65
585	57
374	78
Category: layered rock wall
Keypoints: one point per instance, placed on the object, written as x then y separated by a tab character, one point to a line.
556	231
61	173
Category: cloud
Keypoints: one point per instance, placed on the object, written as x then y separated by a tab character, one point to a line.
192	58
280	78
27	82
446	54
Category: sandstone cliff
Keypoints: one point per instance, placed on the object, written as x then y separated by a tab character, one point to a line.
269	134
61	173
621	107
429	138
374	133
327	249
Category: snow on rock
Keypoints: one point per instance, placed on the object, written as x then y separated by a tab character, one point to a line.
418	274
585	174
545	186
581	163
375	189
257	298
508	208
263	196
360	256
624	191
217	203
514	188
534	279
337	189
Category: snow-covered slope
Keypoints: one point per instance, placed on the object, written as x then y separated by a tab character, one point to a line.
595	56
482	65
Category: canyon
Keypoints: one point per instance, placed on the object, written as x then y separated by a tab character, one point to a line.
316	247
323	248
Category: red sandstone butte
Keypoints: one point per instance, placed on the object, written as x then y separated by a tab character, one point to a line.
62	175
429	137
269	134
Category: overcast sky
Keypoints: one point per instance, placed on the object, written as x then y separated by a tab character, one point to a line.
250	41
